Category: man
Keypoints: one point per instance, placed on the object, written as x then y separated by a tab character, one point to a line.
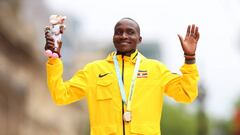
125	90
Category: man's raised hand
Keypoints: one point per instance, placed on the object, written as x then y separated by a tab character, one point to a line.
189	43
49	46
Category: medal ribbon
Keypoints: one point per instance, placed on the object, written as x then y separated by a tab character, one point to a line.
120	82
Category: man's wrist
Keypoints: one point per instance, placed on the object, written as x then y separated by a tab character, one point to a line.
190	61
190	58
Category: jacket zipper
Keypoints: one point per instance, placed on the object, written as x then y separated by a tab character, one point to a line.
122	101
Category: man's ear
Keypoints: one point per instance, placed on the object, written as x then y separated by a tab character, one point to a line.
140	39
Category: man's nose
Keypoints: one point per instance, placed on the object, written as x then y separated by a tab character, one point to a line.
124	35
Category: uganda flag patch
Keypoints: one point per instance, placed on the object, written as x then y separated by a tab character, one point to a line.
142	74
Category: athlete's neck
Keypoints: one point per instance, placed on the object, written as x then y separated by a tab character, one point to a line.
126	53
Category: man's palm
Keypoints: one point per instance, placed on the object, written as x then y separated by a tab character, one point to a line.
189	43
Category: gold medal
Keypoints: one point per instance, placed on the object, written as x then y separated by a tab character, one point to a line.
127	116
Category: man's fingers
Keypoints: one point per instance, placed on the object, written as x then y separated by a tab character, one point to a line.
188	31
59	48
49	47
196	30
197	36
181	39
50	42
47	28
59	44
47	34
49	39
193	30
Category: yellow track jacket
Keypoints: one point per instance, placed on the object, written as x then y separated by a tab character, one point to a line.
98	82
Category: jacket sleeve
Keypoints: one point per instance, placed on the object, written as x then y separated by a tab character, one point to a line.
182	88
69	91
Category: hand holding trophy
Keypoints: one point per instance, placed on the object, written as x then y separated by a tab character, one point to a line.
53	35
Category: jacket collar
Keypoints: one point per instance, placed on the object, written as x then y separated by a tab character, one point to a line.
132	58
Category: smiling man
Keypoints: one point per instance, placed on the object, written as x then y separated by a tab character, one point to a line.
126	36
125	91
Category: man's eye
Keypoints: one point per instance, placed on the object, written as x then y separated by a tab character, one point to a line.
118	32
131	32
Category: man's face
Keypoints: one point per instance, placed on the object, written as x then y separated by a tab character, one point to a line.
126	36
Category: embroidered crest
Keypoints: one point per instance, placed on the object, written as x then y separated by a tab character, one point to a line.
142	74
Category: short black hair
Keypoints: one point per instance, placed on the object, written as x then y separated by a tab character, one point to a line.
138	28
